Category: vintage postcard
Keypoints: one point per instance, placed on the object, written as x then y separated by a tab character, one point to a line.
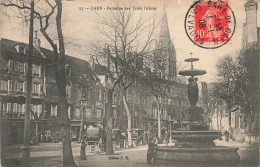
129	83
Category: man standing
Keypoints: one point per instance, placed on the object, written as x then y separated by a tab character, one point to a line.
150	151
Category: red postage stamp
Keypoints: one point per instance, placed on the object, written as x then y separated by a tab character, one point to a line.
210	24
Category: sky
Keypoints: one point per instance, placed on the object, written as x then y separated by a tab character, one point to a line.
80	30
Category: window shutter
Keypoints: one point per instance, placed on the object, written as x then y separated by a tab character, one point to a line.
15	108
52	110
4	107
24	86
56	110
69	112
8	107
10	85
16	65
23	108
40	87
25	67
40	70
39	110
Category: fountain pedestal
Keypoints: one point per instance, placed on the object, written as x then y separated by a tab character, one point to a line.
195	147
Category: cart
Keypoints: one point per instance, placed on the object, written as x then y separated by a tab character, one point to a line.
94	134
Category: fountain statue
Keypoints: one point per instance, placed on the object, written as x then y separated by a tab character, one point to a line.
195	145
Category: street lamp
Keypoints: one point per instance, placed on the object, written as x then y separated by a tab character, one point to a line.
83	145
170	121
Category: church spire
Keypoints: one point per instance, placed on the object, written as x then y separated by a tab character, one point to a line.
167	46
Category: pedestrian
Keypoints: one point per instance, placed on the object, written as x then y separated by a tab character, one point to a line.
226	135
166	137
151	151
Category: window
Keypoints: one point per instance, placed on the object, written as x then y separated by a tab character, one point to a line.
8	110
24	87
14	106
100	94
67	70
54	109
88	112
4	85
98	113
77	113
24	109
36	70
20	49
20	87
10	65
4	106
20	108
37	109
36	88
21	67
15	85
16	65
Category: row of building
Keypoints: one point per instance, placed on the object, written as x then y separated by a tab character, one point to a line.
142	106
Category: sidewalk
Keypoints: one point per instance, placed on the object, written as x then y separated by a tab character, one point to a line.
249	154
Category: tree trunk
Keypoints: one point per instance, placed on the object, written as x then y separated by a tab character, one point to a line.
109	142
159	119
229	116
129	130
81	125
26	148
220	122
37	131
217	120
68	159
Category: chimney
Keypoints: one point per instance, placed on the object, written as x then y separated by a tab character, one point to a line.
37	41
251	20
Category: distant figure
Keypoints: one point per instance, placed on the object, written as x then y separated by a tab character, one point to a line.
166	138
145	139
150	151
226	135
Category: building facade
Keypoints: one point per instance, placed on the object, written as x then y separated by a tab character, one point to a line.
44	93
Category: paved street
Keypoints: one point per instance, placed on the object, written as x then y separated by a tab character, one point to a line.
50	155
137	156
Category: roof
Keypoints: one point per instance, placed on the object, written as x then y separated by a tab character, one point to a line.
78	66
9	47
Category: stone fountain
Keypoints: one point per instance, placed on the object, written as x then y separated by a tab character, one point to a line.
195	145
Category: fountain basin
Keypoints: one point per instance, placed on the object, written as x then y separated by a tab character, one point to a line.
192	72
208	156
195	138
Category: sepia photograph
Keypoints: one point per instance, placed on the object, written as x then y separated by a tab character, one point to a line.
129	83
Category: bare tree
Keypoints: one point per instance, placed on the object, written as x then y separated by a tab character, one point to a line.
129	37
158	87
59	64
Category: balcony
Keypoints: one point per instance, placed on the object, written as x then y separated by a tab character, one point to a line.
14	116
88	119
